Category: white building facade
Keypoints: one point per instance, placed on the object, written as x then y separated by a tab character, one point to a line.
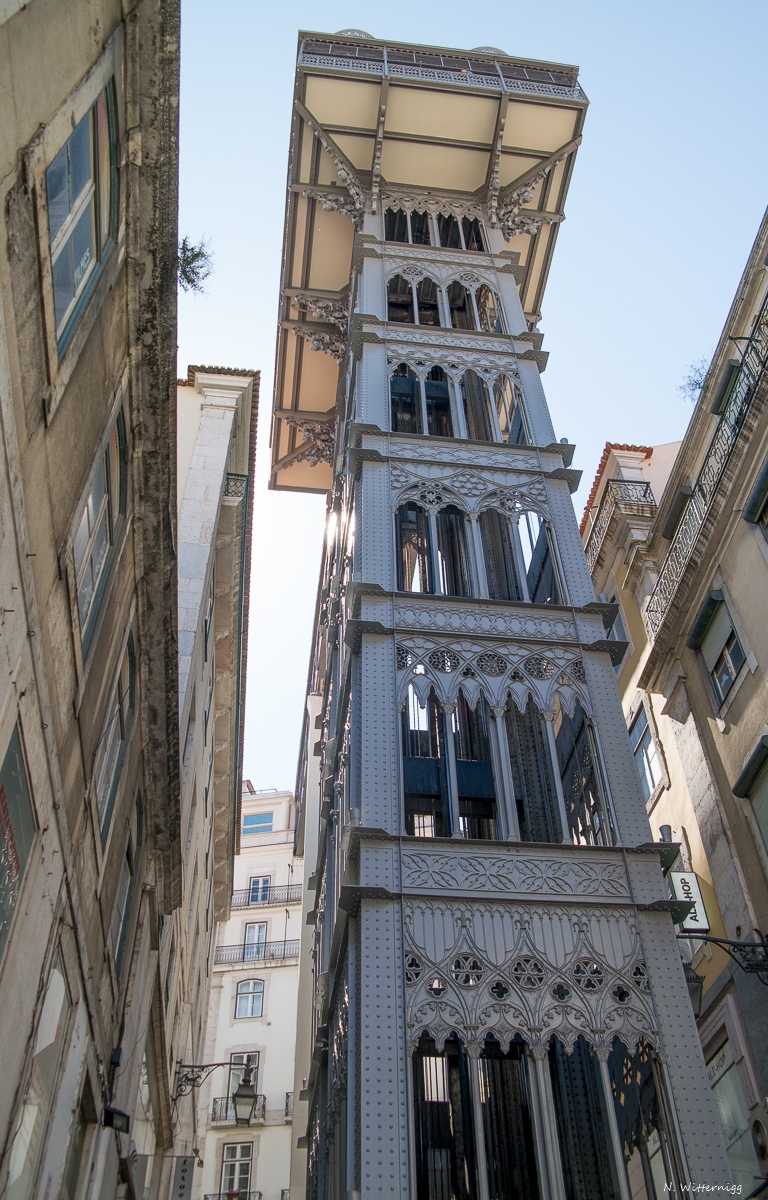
252	1010
499	1005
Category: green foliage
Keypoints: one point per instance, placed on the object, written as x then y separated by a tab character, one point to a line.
195	264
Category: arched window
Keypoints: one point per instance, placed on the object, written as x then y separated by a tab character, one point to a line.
473	235
489	310
448	228
427	302
425	785
250	998
452	552
445	1158
477	414
406	401
400	300
395	225
414	567
639	1115
583	788
510	412
460	306
540	572
438	401
402	226
533	780
474	769
499	557
505	1095
582	1124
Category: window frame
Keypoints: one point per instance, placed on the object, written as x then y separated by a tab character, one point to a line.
11	727
640	755
85	640
253	832
433	224
256	992
89	196
37	159
101	756
719	598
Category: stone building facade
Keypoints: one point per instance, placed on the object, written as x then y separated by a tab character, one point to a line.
89	793
676	539
499	1007
252	1011
217	411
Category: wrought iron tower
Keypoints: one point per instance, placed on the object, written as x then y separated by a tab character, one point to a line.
500	1009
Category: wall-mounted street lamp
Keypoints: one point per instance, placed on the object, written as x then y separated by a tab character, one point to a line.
752	957
244	1096
192	1075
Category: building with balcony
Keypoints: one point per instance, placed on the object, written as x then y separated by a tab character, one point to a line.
252	1009
89	762
494	1004
216	439
685	567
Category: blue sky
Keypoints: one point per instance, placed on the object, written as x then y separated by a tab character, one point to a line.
669	188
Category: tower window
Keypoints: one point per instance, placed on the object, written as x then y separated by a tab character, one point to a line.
582	782
505	1095
509	410
445	1160
414	568
406	401
473	235
438	402
582	1124
396	225
450	234
489	310
477	415
541	577
452	552
533	780
460	306
499	557
400	307
428	302
424	775
474	771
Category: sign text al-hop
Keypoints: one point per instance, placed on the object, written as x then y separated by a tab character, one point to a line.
685	886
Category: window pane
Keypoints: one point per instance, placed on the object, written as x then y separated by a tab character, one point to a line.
80	171
581	1125
428	304
83	245
404	393
508	1123
400	300
532	778
460	305
17	831
420	228
57	192
439	420
499	557
257	822
414	568
489	311
105	167
475	396
473	238
63	285
449	232
395	225
452	553
49	1043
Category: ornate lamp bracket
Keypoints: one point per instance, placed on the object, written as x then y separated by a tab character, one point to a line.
192	1075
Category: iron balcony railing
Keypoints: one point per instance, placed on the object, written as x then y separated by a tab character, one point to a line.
626	495
235	1194
468	71
288	1105
264	897
224	1110
753	363
264	952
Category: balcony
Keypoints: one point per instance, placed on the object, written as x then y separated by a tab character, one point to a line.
470	71
266	952
622	497
287	894
223	1111
235	1194
713	469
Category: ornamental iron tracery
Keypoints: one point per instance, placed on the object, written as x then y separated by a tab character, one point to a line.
528	972
445	661
539	667
578	959
492	664
404	658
